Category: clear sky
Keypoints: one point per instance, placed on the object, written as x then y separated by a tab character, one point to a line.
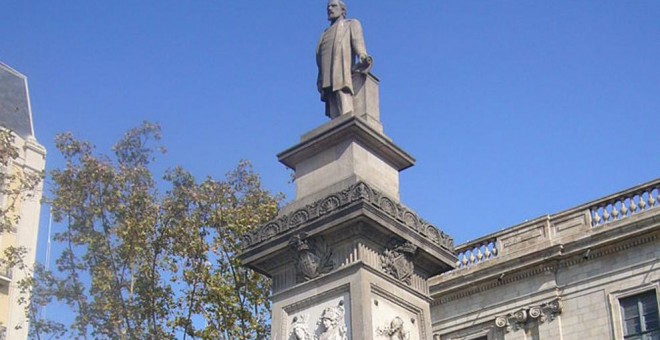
513	109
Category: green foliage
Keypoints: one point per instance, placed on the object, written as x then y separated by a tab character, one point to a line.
15	186
140	264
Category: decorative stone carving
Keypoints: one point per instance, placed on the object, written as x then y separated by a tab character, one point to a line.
332	323
548	310
397	260
359	192
299	330
501	321
313	256
540	313
395	331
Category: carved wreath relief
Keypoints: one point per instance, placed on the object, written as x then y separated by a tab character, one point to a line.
313	257
397	260
330	326
395	331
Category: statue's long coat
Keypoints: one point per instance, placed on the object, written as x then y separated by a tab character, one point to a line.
348	43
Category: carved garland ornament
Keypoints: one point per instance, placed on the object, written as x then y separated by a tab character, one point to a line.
517	320
337	201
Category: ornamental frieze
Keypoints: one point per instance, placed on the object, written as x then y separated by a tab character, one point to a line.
359	192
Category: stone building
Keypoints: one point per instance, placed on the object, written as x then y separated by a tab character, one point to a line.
591	272
16	115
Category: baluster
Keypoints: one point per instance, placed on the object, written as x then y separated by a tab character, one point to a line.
487	251
606	214
480	256
633	206
642	202
615	211
465	260
652	199
624	209
495	248
596	217
472	258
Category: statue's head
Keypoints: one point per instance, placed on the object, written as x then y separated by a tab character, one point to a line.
396	325
336	9
330	317
299	328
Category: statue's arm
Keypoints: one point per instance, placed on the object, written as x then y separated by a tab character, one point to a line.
318	65
357	40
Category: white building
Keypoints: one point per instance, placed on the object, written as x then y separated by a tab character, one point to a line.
16	115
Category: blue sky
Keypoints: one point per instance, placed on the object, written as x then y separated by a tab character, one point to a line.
513	109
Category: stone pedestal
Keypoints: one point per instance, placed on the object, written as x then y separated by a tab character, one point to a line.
342	152
346	257
366	100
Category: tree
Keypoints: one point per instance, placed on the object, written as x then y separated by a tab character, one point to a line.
138	264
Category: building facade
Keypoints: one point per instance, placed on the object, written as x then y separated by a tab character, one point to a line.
591	272
16	115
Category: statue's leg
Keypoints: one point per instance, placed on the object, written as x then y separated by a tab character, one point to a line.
331	103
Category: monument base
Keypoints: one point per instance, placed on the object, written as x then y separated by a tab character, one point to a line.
346	147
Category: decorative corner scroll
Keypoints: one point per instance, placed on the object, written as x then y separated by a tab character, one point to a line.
536	313
397	260
313	256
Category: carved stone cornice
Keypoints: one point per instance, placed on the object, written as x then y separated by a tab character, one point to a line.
335	202
516	320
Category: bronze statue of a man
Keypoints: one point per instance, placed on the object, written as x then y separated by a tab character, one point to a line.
341	51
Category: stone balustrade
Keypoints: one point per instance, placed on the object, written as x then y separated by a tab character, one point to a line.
476	252
570	224
625	204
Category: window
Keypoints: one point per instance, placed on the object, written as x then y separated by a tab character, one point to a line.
639	316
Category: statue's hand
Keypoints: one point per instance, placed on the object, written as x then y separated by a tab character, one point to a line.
364	64
364	59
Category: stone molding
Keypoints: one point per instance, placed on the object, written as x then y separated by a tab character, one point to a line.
332	203
536	313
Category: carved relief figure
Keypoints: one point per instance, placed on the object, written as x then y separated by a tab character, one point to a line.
397	260
395	331
341	51
332	323
299	330
313	257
